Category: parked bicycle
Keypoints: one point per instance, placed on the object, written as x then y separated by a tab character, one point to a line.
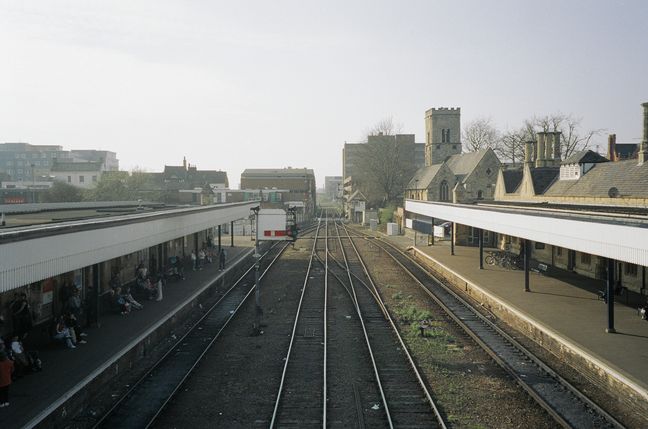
506	260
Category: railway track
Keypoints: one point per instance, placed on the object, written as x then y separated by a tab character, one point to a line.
301	398
143	402
566	404
374	383
406	398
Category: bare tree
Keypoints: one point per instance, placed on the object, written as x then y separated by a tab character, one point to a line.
480	134
385	165
386	127
511	146
573	137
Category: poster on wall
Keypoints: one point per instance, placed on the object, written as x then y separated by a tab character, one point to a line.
42	300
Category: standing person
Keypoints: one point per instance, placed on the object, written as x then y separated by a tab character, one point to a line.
221	259
21	313
6	368
201	258
159	284
194	259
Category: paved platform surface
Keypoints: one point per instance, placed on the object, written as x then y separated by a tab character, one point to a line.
63	368
566	304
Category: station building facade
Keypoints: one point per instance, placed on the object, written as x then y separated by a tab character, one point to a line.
585	182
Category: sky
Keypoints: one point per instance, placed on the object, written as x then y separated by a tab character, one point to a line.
268	84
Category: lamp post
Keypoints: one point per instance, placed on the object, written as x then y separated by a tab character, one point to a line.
257	286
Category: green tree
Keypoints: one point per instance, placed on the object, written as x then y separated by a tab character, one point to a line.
62	192
111	187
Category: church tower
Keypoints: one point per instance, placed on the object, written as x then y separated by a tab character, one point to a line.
442	134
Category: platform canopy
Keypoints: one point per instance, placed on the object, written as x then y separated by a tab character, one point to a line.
623	238
33	253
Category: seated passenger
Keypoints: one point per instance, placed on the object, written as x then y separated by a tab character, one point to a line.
130	300
72	323
63	333
19	356
119	302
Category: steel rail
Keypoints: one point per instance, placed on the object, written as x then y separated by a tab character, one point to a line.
294	330
364	330
324	398
405	349
519	378
196	325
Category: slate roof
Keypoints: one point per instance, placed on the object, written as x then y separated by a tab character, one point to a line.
200	177
424	175
464	163
626	150
543	177
512	179
175	172
627	176
585	157
277	172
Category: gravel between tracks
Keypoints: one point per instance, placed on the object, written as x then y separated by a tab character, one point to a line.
471	389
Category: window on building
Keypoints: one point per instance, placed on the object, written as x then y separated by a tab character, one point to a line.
480	195
442	135
81	179
444	194
630	270
438	146
539	245
94	178
69	179
559	251
586	258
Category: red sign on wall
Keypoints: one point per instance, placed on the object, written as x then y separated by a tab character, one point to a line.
14	200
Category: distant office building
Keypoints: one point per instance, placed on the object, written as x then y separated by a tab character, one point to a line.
333	186
108	158
27	162
300	182
353	153
24	161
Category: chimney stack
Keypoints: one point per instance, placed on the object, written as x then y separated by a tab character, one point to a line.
540	150
612	156
549	149
528	152
556	147
643	149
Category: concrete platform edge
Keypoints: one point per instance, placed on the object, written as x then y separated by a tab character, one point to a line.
598	368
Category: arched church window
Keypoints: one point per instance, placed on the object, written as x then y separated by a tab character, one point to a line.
443	191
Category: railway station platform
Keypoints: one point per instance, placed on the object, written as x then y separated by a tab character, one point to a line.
562	312
65	371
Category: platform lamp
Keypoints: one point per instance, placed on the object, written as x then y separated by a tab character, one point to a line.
257	285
